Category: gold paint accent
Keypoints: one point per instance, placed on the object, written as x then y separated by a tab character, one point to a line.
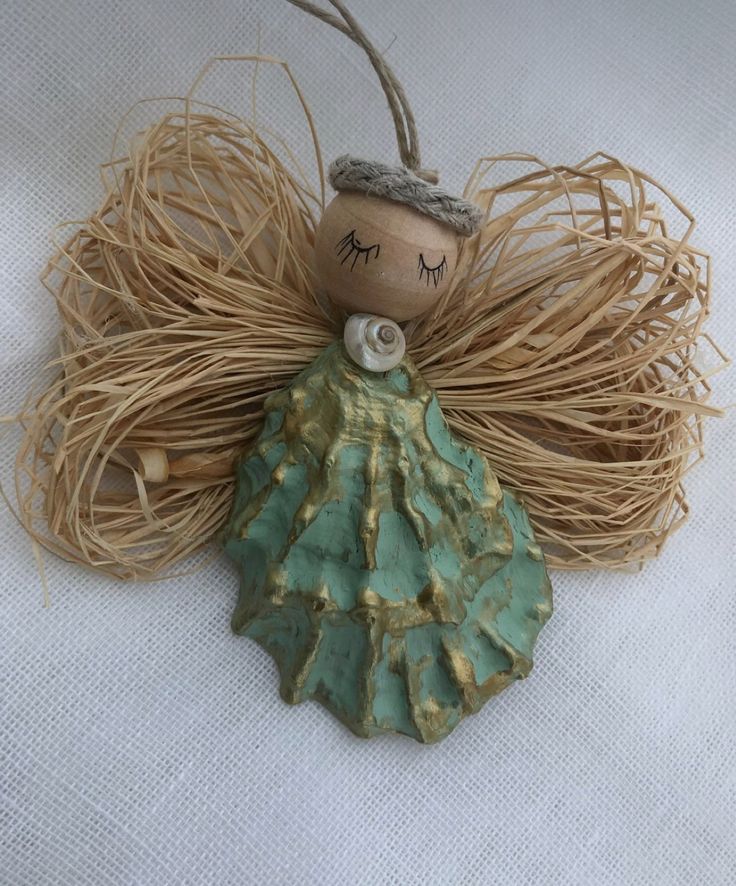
428	717
292	685
369	528
462	673
440	606
277	584
433	718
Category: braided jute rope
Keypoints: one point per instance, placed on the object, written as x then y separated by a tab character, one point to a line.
410	184
401	185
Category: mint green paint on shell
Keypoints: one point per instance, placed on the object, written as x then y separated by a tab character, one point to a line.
382	566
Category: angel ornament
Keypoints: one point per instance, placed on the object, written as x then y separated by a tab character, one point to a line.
383	566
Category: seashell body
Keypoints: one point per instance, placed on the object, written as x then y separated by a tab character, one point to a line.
382	566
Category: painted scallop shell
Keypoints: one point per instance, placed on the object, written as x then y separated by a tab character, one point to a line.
382	566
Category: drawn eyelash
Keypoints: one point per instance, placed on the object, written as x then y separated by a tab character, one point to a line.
350	245
436	273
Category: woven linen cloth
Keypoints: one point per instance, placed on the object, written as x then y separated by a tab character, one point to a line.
140	741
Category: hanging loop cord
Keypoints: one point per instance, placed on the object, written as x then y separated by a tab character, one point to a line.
404	123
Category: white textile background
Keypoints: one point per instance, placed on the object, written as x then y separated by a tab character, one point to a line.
142	743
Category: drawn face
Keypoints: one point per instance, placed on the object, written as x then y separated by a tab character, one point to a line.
379	257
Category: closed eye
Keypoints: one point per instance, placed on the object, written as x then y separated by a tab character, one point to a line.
351	246
434	274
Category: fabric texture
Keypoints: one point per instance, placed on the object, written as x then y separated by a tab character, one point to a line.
141	742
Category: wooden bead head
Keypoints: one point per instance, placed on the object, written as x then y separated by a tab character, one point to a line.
376	256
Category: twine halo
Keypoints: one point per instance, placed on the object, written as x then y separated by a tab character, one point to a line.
568	348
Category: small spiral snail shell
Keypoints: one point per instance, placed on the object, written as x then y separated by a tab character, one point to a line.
375	343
